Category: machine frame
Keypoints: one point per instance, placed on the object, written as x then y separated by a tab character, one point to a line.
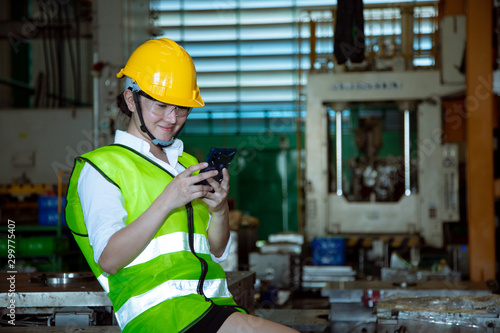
423	212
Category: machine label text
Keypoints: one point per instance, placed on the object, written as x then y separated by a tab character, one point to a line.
385	85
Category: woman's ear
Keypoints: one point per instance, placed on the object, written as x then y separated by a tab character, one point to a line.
128	96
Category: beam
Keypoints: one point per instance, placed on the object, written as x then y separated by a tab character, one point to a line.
479	106
28	29
452	7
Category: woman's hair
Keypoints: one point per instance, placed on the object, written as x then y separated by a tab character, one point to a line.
124	113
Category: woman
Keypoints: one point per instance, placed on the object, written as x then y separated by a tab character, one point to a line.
152	237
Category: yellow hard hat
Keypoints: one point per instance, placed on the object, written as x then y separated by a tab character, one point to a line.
165	71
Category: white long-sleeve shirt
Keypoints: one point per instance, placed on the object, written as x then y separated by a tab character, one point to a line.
102	202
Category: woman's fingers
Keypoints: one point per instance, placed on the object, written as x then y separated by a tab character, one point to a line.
194	179
188	186
217	199
195	167
225	179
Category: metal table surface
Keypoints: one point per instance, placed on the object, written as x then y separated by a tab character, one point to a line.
86	293
478	313
353	291
348	300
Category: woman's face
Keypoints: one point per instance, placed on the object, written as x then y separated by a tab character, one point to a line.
161	119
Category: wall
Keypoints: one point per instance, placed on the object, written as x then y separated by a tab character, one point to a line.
38	142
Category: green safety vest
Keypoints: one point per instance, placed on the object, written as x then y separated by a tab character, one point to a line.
174	282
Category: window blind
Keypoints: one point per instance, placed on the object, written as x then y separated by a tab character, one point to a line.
251	57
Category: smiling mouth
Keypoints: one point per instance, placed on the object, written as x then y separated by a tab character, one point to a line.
166	129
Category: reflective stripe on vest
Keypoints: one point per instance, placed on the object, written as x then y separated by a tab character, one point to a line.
170	243
167	290
103	280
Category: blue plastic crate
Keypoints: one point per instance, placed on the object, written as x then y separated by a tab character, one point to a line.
50	218
328	251
47	211
47	202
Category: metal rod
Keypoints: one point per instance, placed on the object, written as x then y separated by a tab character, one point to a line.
298	132
338	141
407	151
282	161
95	118
387	255
24	86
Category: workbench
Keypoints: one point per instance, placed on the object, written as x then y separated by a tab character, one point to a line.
352	302
35	294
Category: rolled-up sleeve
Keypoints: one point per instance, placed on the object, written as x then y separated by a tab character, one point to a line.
225	255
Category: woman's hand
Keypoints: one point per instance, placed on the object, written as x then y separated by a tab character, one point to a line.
217	201
183	189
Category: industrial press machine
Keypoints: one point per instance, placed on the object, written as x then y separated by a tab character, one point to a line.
378	165
415	201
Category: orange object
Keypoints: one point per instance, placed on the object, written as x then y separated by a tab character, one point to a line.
479	104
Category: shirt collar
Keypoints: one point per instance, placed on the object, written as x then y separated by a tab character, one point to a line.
173	151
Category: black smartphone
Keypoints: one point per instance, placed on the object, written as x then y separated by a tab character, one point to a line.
218	159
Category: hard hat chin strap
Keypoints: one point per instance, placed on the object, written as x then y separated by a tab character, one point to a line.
143	127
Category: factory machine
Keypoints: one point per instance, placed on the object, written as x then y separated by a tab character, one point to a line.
379	169
410	194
